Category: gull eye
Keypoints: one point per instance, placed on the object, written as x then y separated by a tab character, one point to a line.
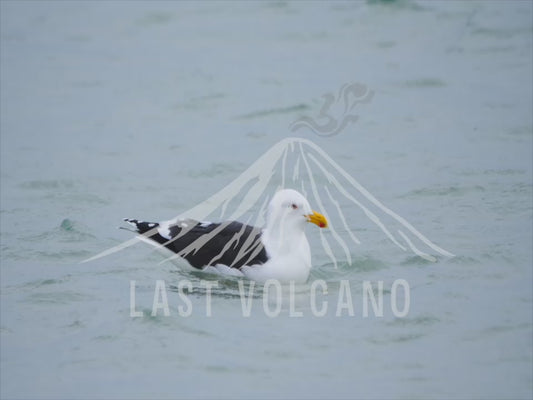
294	206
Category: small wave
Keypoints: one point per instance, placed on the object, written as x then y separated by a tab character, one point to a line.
500	33
344	270
362	264
215	170
444	191
47	184
106	338
72	231
40	283
155	19
463	260
417	260
421	320
228	287
67	231
399	338
53	244
60	297
408	5
490	172
76	324
271	111
53	189
366	264
425	82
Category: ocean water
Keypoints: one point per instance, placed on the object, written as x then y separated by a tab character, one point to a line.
146	109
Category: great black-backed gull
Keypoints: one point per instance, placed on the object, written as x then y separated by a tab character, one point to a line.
278	251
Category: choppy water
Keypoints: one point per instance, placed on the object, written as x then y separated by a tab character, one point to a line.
113	109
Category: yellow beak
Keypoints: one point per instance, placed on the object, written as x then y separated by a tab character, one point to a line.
317	219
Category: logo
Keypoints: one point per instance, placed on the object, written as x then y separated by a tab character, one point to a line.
301	164
337	111
273	297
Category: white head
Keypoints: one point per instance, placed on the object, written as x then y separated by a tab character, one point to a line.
289	211
284	238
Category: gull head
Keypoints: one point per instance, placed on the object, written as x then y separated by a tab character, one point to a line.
289	210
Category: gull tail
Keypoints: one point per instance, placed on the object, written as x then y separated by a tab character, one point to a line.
141	226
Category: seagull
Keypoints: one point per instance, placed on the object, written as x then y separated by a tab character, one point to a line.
279	250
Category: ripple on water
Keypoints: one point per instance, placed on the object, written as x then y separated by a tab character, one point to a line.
358	264
444	191
425	83
76	324
106	338
67	231
395	338
214	170
274	111
329	273
155	18
420	320
417	260
492	172
58	297
75	229
365	264
50	184
463	260
47	244
64	190
39	283
228	287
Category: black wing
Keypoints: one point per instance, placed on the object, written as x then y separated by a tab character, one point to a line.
231	243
